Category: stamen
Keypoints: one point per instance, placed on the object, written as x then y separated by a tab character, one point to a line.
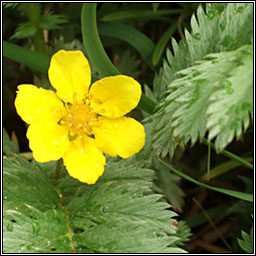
80	118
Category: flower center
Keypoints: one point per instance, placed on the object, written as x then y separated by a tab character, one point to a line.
80	118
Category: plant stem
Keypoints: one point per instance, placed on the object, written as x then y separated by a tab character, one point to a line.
230	155
212	224
209	162
34	17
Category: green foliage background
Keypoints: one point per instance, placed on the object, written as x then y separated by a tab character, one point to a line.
201	91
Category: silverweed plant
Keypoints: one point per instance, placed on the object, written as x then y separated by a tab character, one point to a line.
128	127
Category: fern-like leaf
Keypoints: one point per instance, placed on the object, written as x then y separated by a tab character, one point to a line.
216	94
186	86
119	214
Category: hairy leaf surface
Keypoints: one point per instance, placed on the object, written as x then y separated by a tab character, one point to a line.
120	213
190	87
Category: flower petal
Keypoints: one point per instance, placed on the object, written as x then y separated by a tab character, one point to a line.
48	140
34	103
122	136
70	74
84	161
115	96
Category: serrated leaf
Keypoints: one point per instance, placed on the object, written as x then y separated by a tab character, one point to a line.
36	231
215	31
127	64
231	105
246	243
168	185
118	214
9	146
24	30
52	21
215	95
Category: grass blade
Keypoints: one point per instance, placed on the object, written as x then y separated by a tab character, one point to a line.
239	195
223	168
161	44
34	60
92	42
97	54
150	14
131	36
230	155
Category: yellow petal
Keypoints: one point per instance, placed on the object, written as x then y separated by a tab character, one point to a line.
84	161
122	136
47	140
34	103
70	74
115	96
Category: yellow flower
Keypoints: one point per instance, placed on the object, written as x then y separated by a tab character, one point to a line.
78	123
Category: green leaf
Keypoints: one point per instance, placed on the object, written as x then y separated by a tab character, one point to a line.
51	21
214	213
119	214
168	184
24	30
209	96
161	44
215	31
230	155
97	54
222	168
239	195
234	98
247	241
131	36
125	15
128	64
9	146
34	60
92	42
